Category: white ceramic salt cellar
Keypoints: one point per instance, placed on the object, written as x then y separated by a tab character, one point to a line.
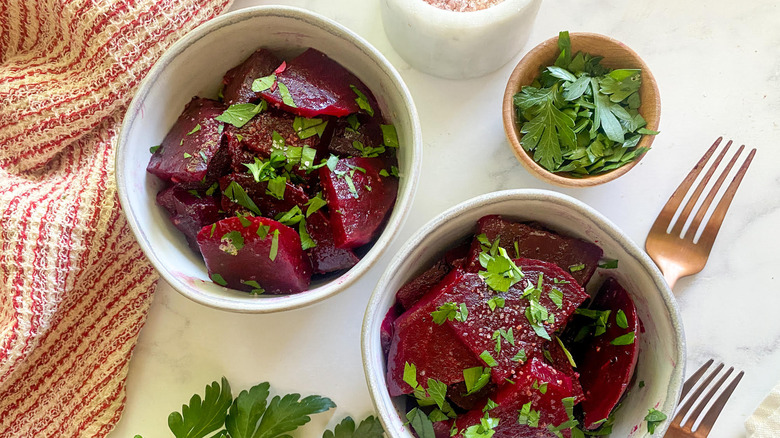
458	45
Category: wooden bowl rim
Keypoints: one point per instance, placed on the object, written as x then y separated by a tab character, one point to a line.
513	132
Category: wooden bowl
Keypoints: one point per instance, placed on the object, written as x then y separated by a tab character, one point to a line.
616	55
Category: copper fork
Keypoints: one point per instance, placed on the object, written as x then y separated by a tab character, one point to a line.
680	429
679	254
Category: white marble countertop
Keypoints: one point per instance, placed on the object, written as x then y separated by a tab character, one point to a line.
717	64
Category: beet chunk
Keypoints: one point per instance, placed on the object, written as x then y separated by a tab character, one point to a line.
240	255
189	147
537	243
481	331
606	368
189	211
318	85
368	133
456	393
415	289
267	204
512	397
432	348
326	257
238	80
358	198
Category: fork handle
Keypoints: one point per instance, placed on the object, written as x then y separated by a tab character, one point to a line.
671	273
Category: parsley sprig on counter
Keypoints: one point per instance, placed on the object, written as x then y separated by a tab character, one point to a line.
580	117
252	415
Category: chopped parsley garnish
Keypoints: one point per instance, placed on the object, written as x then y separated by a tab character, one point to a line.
154	149
449	312
264	83
476	378
262	231
232	242
626	339
306	128
566	352
599	317
528	416
575	268
654	418
489	405
236	193
536	313
488	359
541	387
187	155
274	245
216	278
256	288
384	173
435	394
286	96
620	319
496	302
500	272
520	356
276	187
485	428
240	113
556	296
315	204
389	136
609	264
368	151
362	101
195	129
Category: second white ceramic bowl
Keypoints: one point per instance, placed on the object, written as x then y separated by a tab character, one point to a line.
194	66
661	359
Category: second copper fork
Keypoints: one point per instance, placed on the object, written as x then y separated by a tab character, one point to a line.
677	253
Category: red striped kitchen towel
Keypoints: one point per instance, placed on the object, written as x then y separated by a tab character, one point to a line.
74	285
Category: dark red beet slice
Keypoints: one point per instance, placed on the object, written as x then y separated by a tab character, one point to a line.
189	212
433	349
415	289
479	330
511	398
325	257
456	393
441	429
318	85
554	355
257	191
536	243
386	329
368	133
258	133
359	199
238	80
606	369
191	144
235	251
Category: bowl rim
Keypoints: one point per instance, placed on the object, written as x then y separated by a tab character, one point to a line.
513	133
404	199
460	19
369	339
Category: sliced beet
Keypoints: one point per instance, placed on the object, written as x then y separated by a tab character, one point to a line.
386	329
576	256
267	204
238	80
605	368
368	134
189	147
432	348
240	255
189	210
318	85
415	289
457	393
480	329
359	199
326	257
258	133
554	355
441	429
510	399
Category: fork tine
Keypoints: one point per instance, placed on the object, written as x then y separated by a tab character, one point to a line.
702	403
713	225
709	419
684	408
711	195
678	226
667	213
694	378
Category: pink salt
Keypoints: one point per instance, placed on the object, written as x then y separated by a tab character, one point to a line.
463	5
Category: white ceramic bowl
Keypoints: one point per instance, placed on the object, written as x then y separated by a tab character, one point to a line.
195	66
458	45
661	360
